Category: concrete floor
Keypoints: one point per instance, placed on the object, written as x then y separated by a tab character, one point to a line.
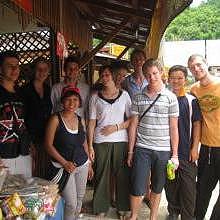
144	212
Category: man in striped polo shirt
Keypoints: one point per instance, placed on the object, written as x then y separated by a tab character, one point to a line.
153	138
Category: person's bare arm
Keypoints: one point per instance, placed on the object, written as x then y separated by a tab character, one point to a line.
85	145
86	148
48	143
91	130
109	129
125	124
196	136
132	132
174	140
174	135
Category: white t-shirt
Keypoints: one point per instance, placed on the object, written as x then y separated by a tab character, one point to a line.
110	114
56	97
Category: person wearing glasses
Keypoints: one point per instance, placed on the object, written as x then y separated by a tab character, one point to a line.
181	192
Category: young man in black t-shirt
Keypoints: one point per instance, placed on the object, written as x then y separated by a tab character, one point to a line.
14	140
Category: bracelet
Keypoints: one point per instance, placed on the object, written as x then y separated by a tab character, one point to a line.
130	152
74	163
117	127
175	156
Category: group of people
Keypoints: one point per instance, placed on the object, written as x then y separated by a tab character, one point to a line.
123	133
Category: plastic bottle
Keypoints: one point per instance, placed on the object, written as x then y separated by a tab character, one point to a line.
170	170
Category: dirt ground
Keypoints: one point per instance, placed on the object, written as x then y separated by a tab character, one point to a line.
144	212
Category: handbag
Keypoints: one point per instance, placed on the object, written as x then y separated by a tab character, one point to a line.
57	175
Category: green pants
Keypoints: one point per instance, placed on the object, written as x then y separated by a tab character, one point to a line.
111	160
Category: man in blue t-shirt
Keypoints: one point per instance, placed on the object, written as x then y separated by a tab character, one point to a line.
136	82
181	192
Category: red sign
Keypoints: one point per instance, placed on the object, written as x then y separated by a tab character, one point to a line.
24	4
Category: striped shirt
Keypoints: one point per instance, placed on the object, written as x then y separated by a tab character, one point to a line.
153	130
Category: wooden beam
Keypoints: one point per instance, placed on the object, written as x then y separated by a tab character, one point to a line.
124	51
122	35
115	40
127	32
111	25
85	60
115	15
119	40
119	8
123	42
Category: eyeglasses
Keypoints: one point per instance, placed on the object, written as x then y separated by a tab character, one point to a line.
176	78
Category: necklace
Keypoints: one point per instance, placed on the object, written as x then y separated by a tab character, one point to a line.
71	122
111	95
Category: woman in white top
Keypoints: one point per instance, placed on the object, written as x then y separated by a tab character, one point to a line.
107	137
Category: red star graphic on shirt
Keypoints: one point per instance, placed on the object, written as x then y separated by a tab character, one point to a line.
8	133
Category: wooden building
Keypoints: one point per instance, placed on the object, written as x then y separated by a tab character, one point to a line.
132	23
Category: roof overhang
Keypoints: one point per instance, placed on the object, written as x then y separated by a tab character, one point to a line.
132	23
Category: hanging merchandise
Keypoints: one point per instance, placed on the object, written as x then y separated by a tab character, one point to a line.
62	50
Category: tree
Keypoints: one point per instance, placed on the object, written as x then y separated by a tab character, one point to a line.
95	42
198	23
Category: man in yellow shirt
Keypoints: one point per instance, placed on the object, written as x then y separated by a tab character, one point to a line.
207	91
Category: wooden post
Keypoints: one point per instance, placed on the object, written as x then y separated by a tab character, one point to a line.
55	77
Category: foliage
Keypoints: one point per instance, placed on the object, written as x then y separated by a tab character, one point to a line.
198	23
95	42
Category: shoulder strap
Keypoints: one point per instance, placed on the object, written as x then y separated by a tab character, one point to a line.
151	105
127	82
59	117
80	125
